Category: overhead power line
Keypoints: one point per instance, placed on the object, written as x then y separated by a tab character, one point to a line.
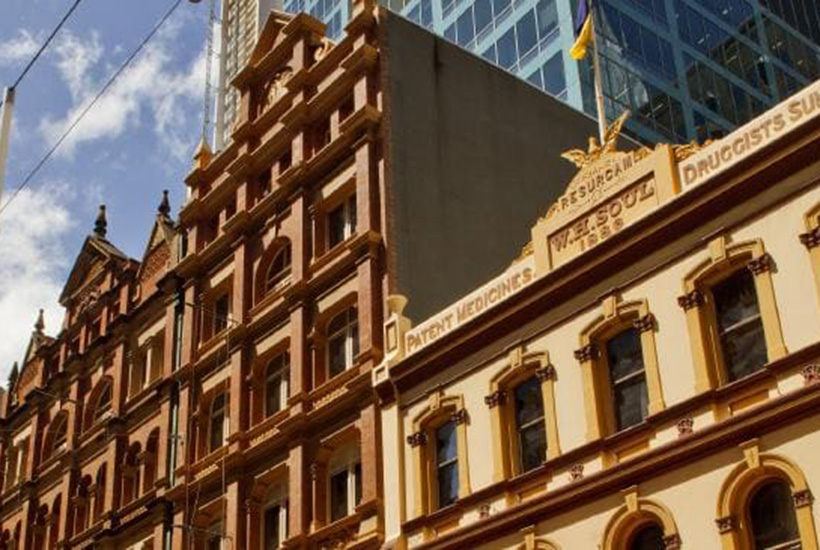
88	107
45	45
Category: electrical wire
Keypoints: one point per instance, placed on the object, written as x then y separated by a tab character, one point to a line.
88	107
44	46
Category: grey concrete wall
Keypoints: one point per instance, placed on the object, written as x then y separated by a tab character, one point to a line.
472	160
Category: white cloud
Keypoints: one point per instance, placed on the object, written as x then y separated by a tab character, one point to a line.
153	84
18	49
31	229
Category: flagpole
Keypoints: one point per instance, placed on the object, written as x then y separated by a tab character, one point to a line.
596	70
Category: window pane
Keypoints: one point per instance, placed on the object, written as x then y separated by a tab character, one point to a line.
739	325
483	14
338	354
525	28
357	471
547	17
465	27
447	464
630	402
774	524
338	496
336	223
273	395
533	446
272	528
506	50
554	79
648	538
529	416
447	485
624	354
529	405
446	446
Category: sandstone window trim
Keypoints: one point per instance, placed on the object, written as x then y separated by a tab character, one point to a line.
636	514
440	410
520	368
811	240
733	523
598	397
726	260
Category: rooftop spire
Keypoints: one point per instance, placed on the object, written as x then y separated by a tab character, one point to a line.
40	324
164	207
101	223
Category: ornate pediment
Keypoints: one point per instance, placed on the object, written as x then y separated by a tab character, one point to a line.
269	36
599	165
96	257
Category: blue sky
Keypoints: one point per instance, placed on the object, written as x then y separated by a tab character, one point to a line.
134	143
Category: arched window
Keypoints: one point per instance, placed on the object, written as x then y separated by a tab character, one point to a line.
342	341
103	402
648	537
276	384
131	474
217	423
772	517
58	436
730	305
278	273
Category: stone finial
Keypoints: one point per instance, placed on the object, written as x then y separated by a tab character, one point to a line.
202	157
164	208
101	223
13	375
40	324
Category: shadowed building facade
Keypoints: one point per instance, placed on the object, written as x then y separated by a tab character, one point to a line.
646	376
216	393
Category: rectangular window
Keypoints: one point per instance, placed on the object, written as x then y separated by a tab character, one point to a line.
275	526
221	313
507	56
345	491
338	496
466	32
341	222
447	464
527	36
740	327
483	14
554	80
529	423
276	384
627	378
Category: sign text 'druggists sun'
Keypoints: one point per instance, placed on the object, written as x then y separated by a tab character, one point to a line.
752	137
602	222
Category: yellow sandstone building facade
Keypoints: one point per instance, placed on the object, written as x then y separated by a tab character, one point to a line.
645	376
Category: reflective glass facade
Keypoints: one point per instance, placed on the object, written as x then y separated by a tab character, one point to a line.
686	68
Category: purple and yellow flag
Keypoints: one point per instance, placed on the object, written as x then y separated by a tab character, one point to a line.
583	30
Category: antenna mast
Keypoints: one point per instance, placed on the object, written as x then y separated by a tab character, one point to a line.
206	116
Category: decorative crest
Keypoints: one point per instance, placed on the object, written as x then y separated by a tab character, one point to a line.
582	159
101	223
164	207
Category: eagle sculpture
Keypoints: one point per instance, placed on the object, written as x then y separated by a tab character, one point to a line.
582	158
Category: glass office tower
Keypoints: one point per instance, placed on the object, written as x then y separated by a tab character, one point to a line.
685	68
